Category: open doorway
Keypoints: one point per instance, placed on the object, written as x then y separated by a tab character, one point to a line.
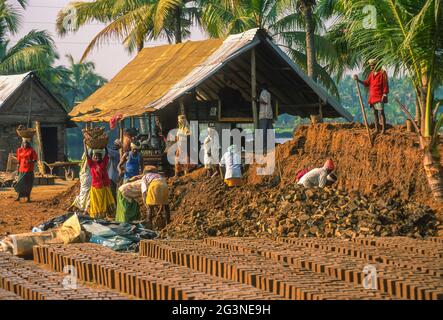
50	144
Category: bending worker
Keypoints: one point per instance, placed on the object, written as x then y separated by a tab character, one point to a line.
232	163
319	177
155	194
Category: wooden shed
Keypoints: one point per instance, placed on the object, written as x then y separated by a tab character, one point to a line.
24	99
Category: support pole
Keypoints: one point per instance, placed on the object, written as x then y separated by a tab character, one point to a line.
40	165
254	88
362	106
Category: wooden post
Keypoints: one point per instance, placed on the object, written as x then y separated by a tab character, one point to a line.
362	106
40	165
150	124
121	125
254	88
320	110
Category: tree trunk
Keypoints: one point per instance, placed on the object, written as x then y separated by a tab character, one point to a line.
417	111
433	171
140	45
311	59
178	24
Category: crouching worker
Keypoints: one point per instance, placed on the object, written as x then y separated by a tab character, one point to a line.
102	202
319	177
231	162
155	194
128	209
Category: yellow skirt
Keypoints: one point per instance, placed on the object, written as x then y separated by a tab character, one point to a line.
158	193
234	182
102	202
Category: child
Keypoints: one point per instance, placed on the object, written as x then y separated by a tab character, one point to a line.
102	202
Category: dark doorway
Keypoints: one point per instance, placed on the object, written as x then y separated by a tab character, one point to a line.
50	144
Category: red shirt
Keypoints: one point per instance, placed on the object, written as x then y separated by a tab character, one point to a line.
24	156
378	86
99	172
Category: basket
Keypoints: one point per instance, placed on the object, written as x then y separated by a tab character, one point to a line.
93	133
25	133
97	143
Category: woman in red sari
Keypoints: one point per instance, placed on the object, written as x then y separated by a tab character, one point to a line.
26	157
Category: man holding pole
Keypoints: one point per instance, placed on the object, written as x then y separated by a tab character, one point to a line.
377	82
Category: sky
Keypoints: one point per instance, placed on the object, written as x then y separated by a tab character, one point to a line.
108	59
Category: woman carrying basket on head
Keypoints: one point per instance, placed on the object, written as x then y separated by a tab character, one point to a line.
102	202
26	157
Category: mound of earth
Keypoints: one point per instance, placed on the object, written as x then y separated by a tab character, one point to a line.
382	191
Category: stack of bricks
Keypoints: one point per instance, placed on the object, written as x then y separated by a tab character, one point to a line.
286	281
24	280
141	277
397	277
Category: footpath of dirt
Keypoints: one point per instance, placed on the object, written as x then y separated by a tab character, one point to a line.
382	191
20	217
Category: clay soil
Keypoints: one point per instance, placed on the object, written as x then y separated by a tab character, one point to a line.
19	217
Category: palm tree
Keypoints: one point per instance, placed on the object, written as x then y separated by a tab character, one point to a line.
35	51
408	39
306	7
132	22
83	80
284	23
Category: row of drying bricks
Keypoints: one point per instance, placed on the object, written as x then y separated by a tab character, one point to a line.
308	280
20	279
399	279
143	277
308	268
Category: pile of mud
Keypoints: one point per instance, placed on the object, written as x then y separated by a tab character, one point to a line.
382	191
63	200
395	160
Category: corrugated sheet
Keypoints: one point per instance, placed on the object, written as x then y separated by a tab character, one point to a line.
8	84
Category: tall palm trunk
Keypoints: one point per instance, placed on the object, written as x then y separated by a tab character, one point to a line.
433	169
311	60
178	24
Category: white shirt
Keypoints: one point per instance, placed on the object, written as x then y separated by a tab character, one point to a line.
265	106
314	178
211	147
232	161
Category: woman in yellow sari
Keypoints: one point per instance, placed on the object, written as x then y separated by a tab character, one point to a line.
155	193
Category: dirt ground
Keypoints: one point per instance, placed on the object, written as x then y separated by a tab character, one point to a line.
18	217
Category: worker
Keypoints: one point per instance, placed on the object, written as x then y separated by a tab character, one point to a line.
128	209
131	163
26	157
211	148
182	139
155	193
81	202
231	162
265	115
318	177
114	161
378	84
102	202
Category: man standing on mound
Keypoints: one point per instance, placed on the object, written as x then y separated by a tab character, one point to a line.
378	84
